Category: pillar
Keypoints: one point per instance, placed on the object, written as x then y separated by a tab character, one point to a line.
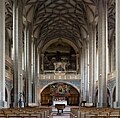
82	74
27	58
34	71
92	61
117	53
32	64
77	64
113	55
2	53
91	65
85	97
18	48
42	62
38	64
35	75
102	42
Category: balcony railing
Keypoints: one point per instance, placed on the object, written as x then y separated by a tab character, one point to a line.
62	76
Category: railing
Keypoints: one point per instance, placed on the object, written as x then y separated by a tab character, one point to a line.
59	76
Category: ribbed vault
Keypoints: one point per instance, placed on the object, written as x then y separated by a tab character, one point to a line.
68	19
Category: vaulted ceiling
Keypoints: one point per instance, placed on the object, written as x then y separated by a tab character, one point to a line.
67	19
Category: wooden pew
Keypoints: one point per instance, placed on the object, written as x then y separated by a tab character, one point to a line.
25	112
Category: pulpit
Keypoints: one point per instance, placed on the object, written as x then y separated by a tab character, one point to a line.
60	107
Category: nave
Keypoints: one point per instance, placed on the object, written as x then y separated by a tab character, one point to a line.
59	48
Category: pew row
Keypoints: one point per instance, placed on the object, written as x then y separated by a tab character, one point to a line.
95	113
25	113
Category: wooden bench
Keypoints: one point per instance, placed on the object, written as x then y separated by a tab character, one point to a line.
30	112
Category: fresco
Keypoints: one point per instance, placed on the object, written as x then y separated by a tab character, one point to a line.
59	89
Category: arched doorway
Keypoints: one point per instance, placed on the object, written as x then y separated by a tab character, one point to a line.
114	95
6	95
60	91
12	97
108	98
96	98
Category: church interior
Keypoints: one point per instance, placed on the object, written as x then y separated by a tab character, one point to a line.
59	58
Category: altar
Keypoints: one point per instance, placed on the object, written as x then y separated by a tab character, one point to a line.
60	102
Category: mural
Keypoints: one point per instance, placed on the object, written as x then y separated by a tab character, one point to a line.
59	89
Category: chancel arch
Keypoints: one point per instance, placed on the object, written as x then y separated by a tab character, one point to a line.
58	91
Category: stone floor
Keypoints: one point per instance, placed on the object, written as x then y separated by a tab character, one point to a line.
64	115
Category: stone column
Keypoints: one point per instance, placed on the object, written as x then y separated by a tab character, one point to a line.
102	42
17	46
109	56
82	74
2	53
35	78
117	53
42	61
34	72
113	55
32	64
77	64
85	97
91	77
92	62
38	64
27	52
